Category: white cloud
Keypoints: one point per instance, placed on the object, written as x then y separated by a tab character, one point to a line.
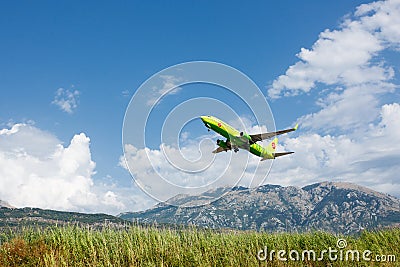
36	170
383	18
168	82
347	56
345	110
125	93
111	199
66	100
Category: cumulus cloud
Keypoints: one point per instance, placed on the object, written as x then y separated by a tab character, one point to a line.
344	110
66	100
347	56
36	170
225	170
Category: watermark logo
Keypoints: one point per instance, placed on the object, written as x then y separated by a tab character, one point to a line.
331	254
341	243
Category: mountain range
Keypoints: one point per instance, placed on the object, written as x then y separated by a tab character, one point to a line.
330	206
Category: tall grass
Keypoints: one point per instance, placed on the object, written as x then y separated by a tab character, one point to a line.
150	246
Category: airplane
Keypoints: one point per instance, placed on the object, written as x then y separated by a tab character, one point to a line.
236	139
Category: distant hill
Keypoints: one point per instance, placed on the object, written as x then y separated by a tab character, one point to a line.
15	218
4	204
334	207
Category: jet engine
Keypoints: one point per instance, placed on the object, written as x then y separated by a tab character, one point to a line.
223	144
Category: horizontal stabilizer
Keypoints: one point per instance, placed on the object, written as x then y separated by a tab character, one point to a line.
278	154
220	149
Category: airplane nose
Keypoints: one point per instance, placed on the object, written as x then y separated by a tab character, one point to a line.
203	118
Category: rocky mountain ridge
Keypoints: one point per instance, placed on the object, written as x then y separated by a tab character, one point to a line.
329	206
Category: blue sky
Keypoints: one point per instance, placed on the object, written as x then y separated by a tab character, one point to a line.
104	51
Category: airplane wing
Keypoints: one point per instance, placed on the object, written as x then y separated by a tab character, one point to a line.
263	136
219	149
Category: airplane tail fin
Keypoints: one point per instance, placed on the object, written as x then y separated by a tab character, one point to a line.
271	150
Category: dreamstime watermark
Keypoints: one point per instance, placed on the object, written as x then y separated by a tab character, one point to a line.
163	165
338	253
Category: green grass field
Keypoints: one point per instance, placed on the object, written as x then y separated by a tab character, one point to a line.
151	246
